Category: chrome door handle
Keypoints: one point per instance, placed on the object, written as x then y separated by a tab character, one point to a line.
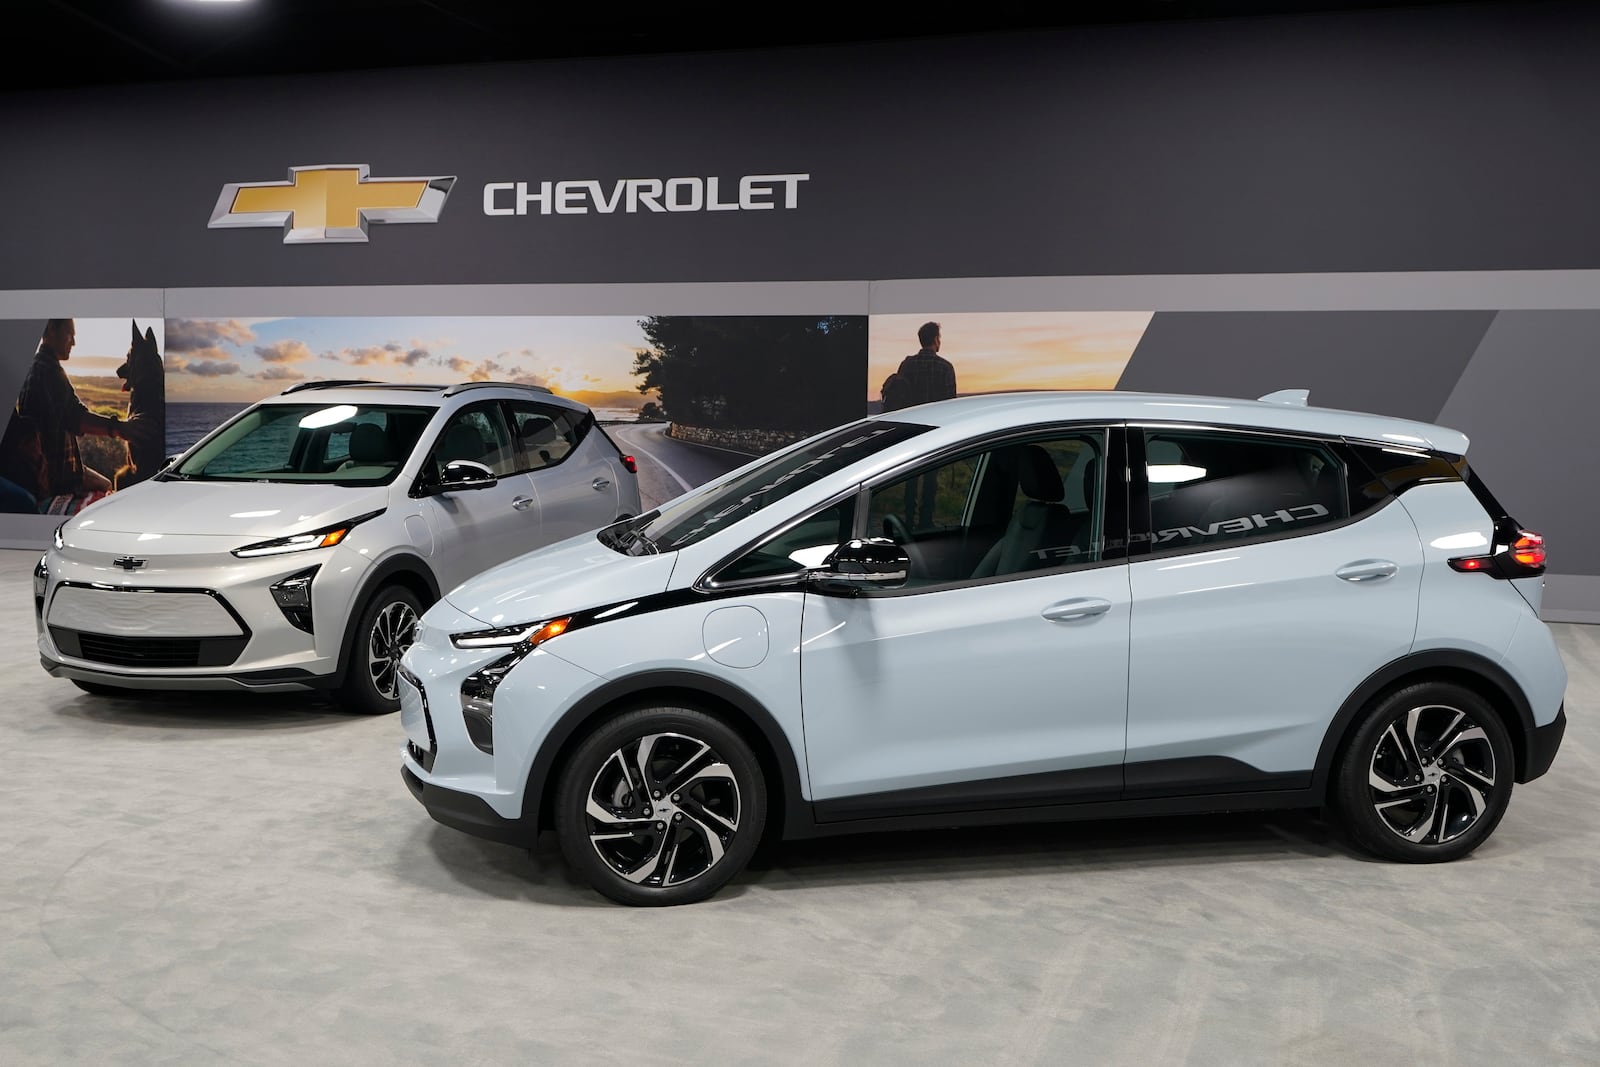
1077	608
522	503
1368	570
599	484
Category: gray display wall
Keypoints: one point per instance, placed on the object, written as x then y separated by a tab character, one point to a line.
1394	209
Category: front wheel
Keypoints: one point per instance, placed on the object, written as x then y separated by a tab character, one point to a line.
1427	775
386	628
661	805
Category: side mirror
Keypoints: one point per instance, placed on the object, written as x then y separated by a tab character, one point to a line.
462	474
865	563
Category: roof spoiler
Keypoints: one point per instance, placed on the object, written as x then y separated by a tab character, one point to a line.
1292	397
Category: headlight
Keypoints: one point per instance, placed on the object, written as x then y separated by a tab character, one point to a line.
60	542
530	634
326	537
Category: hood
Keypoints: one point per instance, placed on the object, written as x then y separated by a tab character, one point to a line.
559	579
257	510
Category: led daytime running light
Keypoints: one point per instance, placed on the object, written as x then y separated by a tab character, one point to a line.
532	635
324	538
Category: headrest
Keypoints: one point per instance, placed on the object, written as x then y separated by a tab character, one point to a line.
1037	476
462	441
538	432
368	443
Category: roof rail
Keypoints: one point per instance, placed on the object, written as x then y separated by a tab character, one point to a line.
323	384
461	387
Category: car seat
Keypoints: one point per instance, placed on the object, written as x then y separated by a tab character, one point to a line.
369	447
1042	526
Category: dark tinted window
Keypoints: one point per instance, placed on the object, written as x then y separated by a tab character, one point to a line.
1215	488
546	433
1022	506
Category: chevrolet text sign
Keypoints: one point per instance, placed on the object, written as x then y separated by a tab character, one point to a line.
753	192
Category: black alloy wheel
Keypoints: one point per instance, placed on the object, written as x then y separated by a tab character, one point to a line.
386	628
660	805
1427	775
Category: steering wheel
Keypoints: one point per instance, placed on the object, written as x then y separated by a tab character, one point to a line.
894	528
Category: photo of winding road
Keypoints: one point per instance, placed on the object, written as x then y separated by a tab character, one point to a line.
691	397
668	467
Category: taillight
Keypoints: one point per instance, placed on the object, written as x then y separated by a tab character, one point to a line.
1523	558
633	468
1528	549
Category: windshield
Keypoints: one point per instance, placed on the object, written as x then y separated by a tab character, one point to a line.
699	514
329	444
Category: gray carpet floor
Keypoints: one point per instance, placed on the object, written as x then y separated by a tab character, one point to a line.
219	880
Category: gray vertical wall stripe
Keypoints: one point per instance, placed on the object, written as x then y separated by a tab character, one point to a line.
1400	363
1527	401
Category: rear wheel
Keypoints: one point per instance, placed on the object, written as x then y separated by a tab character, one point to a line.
1428	774
661	805
386	628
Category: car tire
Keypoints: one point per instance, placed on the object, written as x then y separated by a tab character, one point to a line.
1427	774
384	630
676	844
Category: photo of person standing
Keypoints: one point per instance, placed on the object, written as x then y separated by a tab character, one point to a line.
923	377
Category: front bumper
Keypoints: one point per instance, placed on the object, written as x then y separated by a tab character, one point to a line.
468	813
286	680
199	620
1542	746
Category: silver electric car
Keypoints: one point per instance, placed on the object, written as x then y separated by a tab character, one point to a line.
296	545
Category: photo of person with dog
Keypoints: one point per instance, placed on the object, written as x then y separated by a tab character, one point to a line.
73	438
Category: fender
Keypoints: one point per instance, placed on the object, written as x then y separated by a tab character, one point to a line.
400	563
1446	660
797	822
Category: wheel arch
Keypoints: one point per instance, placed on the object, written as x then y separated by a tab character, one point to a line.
787	810
402	569
1481	675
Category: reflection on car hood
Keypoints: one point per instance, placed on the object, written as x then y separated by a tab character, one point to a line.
244	509
559	579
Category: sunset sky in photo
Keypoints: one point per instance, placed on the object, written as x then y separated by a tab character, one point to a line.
1006	350
587	358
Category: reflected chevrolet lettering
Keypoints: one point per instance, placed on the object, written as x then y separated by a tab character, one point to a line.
1246	523
752	192
951	615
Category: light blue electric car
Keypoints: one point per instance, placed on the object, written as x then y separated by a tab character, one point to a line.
1002	608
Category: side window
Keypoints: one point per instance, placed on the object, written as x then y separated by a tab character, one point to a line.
1033	505
546	434
478	433
1216	488
799	548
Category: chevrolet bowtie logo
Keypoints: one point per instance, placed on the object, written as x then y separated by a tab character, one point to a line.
330	203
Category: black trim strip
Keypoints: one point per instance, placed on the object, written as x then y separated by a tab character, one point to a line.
1435	662
785	792
1019	791
1172	778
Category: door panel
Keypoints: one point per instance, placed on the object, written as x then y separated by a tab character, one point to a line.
578	495
1247	651
478	528
966	684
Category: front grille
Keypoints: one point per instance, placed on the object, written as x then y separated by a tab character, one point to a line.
121	650
424	759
